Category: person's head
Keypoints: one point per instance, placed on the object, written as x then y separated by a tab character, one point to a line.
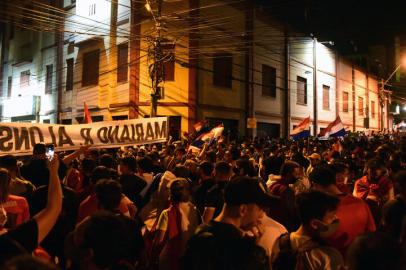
290	171
100	172
322	177
244	200
87	166
39	151
317	212
107	161
179	190
145	165
222	171
374	169
244	167
9	162
206	169
181	171
108	194
180	152
211	156
341	171
5	179
192	166
128	165
374	251
24	262
106	241
315	159
400	181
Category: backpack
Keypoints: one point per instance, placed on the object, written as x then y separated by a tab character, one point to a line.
289	259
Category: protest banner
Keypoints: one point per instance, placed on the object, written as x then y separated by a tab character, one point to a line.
19	138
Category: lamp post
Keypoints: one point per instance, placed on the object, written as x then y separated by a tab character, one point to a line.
382	97
156	69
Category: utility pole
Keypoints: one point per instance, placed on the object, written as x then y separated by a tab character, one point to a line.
156	69
315	111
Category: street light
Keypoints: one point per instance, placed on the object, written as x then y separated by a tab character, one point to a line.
382	96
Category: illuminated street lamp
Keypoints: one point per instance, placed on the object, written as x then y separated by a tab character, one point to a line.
382	97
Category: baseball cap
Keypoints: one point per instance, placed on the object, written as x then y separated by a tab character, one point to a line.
245	190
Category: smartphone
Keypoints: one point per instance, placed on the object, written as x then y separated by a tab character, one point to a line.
50	151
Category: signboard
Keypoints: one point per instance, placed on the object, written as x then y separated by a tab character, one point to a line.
251	123
19	138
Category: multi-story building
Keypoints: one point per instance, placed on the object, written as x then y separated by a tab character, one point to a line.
226	63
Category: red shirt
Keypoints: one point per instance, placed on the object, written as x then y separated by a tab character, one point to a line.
355	219
91	205
379	191
17	210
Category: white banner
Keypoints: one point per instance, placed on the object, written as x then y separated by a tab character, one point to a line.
19	138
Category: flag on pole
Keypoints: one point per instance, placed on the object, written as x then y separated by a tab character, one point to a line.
209	137
302	130
87	119
334	129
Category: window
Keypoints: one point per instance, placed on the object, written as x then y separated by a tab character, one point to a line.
122	63
9	86
169	63
373	109
92	9
326	97
25	79
69	74
222	70
66	121
90	72
360	106
268	81
345	101
301	90
48	80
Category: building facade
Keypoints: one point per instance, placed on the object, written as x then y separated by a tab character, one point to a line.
238	67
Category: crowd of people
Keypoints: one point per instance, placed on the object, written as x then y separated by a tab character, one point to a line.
247	204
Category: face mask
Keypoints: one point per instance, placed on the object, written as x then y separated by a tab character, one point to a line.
327	230
3	216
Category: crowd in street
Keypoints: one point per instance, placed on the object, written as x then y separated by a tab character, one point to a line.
245	204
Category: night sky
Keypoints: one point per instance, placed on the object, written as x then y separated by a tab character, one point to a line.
347	23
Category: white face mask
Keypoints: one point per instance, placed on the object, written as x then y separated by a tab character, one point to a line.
3	216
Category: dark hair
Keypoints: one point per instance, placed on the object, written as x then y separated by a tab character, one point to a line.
206	168
374	251
246	165
145	164
9	162
24	262
114	239
323	176
106	160
339	167
178	190
100	172
88	164
211	156
235	153
130	163
39	148
314	205
109	194
374	163
222	168
288	167
400	180
181	171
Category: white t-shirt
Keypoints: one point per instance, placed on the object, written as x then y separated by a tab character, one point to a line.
272	231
